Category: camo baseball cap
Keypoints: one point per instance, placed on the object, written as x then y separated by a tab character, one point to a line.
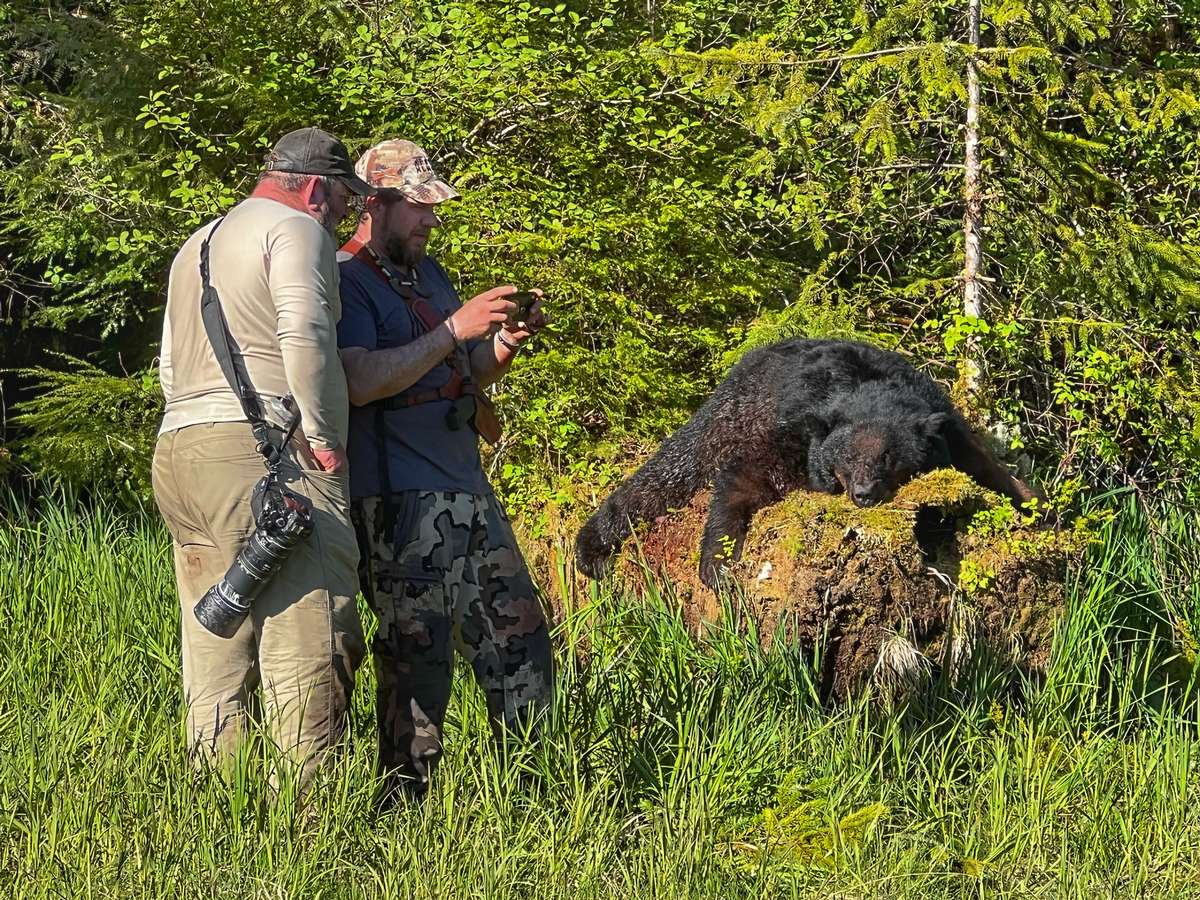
404	167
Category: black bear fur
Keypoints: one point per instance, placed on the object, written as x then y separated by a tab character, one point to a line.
824	415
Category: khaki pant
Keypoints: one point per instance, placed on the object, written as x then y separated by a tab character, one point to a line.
302	641
442	570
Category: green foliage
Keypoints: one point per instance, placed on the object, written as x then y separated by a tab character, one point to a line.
802	830
685	181
92	429
580	172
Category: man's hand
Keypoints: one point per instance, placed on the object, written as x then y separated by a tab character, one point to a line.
483	314
535	320
330	461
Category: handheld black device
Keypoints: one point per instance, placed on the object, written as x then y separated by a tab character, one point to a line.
524	301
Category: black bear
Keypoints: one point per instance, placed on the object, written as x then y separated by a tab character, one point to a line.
819	414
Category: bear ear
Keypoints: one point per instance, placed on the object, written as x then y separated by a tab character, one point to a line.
933	424
818	429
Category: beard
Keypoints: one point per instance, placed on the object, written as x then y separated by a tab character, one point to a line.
406	252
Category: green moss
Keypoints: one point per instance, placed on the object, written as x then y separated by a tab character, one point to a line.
811	523
889	524
801	521
947	488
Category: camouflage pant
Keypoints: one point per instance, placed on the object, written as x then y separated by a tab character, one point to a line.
446	570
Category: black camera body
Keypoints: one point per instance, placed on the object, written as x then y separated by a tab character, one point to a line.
524	301
282	519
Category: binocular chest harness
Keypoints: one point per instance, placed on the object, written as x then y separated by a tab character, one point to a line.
468	405
282	518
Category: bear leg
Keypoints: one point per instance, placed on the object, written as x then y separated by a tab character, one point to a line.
969	455
668	480
740	490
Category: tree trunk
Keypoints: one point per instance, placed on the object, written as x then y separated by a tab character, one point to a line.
973	218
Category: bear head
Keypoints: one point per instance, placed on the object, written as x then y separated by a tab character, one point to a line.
870	460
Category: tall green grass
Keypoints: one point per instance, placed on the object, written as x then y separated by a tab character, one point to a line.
671	767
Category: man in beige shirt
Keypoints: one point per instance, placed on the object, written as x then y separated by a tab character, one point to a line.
272	262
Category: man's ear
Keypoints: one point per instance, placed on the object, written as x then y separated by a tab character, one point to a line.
313	193
374	204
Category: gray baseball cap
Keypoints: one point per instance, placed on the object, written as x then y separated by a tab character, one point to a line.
311	151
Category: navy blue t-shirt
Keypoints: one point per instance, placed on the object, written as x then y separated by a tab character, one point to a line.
423	454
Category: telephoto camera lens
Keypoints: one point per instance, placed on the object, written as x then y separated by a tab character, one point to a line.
284	520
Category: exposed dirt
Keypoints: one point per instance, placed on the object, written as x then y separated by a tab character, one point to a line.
877	589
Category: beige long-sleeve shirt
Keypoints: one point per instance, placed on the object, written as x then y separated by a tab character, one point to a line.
275	271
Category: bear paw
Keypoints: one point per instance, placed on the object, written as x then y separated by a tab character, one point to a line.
593	554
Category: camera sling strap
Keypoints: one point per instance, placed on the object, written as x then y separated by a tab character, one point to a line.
217	328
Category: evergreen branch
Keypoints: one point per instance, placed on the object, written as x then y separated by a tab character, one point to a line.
896	51
848	57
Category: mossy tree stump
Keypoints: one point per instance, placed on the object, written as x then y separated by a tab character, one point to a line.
890	593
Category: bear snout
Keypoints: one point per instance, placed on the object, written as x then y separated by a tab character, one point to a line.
869	494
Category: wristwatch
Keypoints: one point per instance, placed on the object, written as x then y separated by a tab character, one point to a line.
515	348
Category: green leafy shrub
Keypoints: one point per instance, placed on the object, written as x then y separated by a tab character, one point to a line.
685	184
89	428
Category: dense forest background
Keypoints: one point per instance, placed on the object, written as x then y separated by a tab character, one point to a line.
686	179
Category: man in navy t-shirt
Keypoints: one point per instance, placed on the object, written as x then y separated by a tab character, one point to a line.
441	566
